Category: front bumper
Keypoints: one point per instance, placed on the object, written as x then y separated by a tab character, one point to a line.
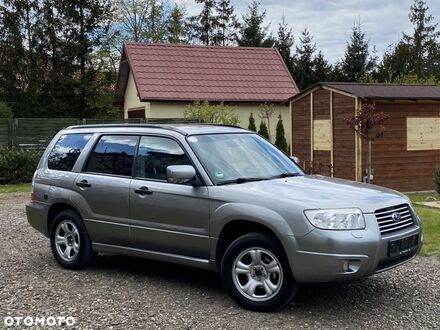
330	255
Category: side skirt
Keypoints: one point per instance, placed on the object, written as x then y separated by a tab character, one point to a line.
154	255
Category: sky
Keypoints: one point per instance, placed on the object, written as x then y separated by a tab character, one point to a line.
330	21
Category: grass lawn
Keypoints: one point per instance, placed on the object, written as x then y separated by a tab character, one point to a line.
431	222
11	188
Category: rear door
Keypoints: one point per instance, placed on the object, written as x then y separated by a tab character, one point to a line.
103	188
167	217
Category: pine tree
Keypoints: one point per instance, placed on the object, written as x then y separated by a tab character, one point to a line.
252	126
227	24
156	23
356	63
204	25
84	23
322	70
252	31
303	68
263	131
280	138
285	43
423	40
176	25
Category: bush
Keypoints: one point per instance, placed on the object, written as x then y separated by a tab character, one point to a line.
437	180
252	126
18	165
263	131
209	113
280	139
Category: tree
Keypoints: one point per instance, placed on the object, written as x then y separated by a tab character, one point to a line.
85	23
176	28
266	111
322	70
204	25
157	23
423	39
285	43
132	18
303	68
280	139
368	125
417	54
5	111
209	113
252	126
356	63
252	32
263	131
227	24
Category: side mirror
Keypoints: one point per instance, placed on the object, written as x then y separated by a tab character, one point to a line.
295	159
180	173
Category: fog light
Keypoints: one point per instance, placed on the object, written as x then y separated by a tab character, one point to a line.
351	266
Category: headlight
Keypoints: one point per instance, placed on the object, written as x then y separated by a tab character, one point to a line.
338	219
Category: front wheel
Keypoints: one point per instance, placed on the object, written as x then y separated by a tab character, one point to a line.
256	273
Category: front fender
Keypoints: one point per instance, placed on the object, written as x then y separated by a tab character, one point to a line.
241	211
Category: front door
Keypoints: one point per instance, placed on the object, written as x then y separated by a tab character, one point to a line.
167	217
104	189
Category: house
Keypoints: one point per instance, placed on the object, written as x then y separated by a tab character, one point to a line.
160	80
403	159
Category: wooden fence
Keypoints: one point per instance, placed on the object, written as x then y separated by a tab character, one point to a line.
38	132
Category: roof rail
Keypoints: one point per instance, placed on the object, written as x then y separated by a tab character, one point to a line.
123	125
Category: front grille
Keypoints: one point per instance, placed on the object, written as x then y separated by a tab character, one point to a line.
389	224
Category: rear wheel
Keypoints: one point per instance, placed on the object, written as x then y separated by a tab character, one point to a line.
256	273
70	242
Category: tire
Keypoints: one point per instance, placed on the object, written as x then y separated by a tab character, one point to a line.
70	242
256	273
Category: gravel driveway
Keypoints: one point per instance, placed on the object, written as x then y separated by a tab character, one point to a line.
129	293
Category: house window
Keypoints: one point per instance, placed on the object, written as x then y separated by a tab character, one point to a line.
422	134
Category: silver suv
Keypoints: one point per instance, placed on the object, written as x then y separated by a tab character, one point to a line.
219	198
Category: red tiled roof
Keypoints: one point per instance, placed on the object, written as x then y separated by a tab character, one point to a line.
186	73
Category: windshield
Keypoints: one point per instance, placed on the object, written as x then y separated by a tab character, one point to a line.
239	158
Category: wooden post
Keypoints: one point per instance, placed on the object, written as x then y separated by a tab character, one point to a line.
331	136
311	132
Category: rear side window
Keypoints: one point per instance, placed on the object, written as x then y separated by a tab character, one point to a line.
114	154
66	151
156	154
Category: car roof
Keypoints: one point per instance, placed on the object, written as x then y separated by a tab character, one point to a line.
184	129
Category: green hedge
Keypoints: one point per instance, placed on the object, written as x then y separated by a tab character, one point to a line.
18	165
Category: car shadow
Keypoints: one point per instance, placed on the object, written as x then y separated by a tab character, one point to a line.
324	298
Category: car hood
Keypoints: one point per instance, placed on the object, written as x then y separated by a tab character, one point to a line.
314	191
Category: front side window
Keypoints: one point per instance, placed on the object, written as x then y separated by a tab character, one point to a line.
114	154
239	157
156	154
66	151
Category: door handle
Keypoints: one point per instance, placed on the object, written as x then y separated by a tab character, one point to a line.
83	184
143	191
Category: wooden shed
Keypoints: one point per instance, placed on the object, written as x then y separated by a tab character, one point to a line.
403	159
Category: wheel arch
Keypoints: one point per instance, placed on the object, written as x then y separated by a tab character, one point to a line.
55	209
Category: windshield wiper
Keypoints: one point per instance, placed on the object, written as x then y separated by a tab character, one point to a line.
240	180
286	175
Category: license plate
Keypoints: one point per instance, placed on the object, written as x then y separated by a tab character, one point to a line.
402	245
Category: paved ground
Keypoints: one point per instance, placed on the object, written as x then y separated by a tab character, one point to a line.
129	293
